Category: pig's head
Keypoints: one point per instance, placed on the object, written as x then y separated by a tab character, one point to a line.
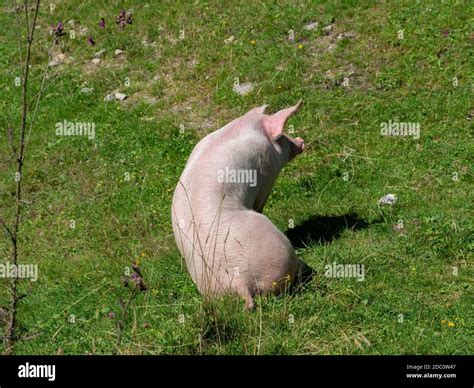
273	125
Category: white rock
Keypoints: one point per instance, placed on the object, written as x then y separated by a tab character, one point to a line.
388	199
311	26
99	53
96	61
348	34
328	29
243	89
57	59
120	96
87	90
109	97
229	40
118	52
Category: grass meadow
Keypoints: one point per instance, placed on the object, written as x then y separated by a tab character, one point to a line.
95	205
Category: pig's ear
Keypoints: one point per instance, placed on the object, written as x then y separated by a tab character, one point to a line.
273	125
259	109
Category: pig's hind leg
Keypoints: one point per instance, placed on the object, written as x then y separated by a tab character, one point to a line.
245	293
237	286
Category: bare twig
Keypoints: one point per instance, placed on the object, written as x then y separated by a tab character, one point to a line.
10	327
136	285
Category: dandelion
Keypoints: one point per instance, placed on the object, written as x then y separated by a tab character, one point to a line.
300	46
253	42
451	324
443	321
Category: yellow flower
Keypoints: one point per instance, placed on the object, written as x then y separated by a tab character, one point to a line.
300	46
451	324
253	42
443	321
274	284
143	254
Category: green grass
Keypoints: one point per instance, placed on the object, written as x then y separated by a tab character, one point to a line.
409	287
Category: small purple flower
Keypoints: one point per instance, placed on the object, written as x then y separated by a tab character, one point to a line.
90	41
138	281
135	278
102	23
123	19
58	30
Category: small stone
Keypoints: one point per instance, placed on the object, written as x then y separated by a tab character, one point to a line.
119	52
229	40
327	30
398	227
57	59
120	96
389	199
243	89
83	31
96	61
99	53
109	97
311	26
346	35
87	90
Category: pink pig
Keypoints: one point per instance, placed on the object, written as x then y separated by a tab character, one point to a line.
228	245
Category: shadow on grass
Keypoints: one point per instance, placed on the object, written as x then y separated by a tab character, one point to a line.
320	230
323	229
